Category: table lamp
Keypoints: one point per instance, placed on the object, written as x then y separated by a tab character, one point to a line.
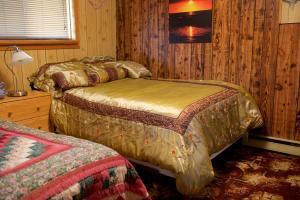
18	57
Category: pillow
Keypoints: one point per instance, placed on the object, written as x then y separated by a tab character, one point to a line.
106	72
96	59
135	70
42	79
100	75
73	78
44	84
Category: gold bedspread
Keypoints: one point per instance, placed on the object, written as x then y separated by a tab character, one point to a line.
173	125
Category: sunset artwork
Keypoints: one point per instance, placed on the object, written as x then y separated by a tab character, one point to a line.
190	21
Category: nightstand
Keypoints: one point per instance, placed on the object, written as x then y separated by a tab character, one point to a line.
32	110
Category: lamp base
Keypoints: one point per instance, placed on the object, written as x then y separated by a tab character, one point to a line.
17	93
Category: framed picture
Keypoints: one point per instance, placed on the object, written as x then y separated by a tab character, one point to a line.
290	11
190	21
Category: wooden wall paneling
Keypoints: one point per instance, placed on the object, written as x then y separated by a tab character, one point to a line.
208	61
82	51
294	77
135	34
153	33
41	57
282	83
106	37
297	124
200	68
5	74
170	70
287	81
258	45
162	39
170	50
91	20
112	31
127	29
221	39
269	59
182	61
247	26
60	55
51	56
101	29
197	61
145	40
68	54
103	21
234	51
120	30
208	52
140	23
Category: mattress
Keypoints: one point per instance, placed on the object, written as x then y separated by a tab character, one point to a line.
175	125
40	165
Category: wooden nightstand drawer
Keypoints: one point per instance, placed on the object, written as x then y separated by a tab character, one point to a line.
24	109
41	123
31	110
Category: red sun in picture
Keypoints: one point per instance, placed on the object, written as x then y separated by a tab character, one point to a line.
189	6
190	21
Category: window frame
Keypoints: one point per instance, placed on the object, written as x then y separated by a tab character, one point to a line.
48	43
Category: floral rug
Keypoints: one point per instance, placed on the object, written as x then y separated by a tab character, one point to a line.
241	173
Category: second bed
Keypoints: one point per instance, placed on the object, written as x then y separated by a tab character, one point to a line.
171	124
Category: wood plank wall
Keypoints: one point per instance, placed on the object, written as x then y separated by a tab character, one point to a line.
97	37
249	48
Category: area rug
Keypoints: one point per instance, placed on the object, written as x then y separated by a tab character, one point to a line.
241	173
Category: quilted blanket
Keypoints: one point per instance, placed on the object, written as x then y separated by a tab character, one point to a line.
40	165
173	124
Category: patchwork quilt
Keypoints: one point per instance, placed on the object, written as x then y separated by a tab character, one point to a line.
40	165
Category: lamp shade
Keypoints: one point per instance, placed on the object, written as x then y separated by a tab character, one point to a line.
20	57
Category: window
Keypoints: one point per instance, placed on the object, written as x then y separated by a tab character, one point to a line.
38	22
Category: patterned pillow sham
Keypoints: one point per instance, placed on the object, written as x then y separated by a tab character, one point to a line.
106	72
44	84
135	70
42	79
96	59
73	78
105	69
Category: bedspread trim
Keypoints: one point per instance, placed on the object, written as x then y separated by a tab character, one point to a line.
63	182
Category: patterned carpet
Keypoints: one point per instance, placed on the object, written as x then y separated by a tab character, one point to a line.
241	173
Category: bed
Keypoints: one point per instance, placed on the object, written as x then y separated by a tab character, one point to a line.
40	165
172	124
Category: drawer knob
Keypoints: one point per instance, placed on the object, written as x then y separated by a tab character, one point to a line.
38	109
9	114
39	127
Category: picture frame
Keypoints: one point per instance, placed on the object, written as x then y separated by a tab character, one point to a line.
290	11
190	21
